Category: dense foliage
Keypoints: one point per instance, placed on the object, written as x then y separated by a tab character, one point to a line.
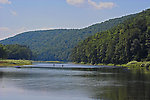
121	44
57	44
3	53
15	52
18	52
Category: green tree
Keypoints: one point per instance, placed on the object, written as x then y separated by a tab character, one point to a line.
125	42
3	53
18	52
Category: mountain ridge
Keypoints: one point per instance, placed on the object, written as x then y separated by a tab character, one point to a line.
126	42
57	44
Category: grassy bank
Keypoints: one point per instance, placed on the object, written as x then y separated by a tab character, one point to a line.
10	62
50	61
100	64
130	65
138	65
133	66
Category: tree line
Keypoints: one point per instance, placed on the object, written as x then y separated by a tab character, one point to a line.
125	42
15	51
56	45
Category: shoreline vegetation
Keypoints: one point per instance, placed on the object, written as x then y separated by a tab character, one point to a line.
135	66
11	62
145	65
49	61
132	65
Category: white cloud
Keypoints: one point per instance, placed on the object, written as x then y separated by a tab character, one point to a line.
75	2
5	2
101	5
14	13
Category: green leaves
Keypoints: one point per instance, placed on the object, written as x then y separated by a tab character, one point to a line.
3	53
18	52
125	42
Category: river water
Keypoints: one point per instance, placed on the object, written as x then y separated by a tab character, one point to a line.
60	84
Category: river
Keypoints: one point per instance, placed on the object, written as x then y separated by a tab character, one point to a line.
43	83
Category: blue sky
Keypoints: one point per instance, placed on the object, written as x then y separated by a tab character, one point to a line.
18	16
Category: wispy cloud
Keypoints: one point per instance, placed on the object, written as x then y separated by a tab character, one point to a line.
14	13
101	5
75	2
98	6
5	2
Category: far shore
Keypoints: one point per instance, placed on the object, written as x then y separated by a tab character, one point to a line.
133	65
49	61
11	62
145	65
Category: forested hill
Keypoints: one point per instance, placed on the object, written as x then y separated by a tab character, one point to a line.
15	51
121	44
57	44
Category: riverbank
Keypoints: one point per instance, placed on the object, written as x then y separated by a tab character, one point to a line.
10	62
145	65
134	65
49	61
100	64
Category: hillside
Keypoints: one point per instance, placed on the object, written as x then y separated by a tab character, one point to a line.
15	51
126	42
57	44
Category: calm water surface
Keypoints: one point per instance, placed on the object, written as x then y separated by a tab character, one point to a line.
54	84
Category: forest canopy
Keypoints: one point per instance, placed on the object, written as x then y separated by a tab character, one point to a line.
56	45
15	51
125	42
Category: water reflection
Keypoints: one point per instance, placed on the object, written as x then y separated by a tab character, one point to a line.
80	85
126	87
